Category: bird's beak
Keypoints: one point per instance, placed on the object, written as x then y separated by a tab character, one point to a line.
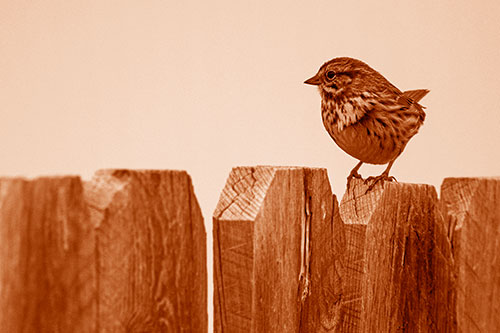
314	80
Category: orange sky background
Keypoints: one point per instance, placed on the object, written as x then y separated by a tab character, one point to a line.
208	85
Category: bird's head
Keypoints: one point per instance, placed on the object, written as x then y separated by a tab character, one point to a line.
340	75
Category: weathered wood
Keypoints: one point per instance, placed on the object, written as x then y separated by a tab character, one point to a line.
472	207
355	210
273	251
123	252
398	266
47	275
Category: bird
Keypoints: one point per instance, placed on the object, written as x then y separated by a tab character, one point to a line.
366	115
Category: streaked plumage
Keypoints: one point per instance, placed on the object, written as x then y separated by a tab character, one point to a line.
367	116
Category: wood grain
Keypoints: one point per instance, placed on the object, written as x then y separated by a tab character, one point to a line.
472	210
47	275
356	209
398	266
123	252
273	251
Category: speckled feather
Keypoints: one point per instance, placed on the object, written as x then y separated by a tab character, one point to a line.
367	116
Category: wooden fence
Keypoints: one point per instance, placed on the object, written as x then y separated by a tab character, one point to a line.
126	252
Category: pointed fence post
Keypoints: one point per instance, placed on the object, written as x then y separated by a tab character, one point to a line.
273	251
407	273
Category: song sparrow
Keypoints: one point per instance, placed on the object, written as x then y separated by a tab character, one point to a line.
367	116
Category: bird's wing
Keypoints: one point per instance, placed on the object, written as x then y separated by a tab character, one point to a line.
403	110
386	101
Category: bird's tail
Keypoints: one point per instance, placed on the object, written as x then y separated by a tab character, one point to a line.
412	97
416	95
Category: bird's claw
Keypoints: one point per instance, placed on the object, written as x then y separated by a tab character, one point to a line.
353	174
375	179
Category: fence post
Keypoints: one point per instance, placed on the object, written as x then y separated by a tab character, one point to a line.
472	210
355	211
273	251
407	267
123	252
47	275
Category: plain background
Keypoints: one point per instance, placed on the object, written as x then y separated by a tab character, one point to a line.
208	85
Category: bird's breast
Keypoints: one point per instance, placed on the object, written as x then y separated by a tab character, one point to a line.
365	145
374	138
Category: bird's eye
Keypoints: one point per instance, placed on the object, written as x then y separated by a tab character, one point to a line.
330	74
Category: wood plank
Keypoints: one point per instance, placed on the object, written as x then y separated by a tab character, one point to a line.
123	252
150	252
273	251
356	209
472	210
47	275
396	233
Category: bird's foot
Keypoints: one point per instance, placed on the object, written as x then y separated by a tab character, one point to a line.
353	174
375	179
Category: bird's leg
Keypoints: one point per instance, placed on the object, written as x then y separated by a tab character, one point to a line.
354	174
382	177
